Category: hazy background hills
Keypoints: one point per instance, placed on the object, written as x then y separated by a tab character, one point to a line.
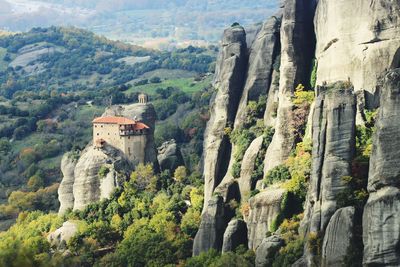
152	23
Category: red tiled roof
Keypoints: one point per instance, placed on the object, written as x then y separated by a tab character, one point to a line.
121	121
114	120
140	126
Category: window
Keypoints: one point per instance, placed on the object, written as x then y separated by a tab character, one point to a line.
98	134
129	151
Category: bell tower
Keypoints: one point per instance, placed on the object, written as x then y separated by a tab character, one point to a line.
142	98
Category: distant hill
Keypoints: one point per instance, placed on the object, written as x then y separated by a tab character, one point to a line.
156	23
71	59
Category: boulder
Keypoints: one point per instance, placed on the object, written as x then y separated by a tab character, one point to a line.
89	186
381	218
264	209
169	156
65	194
228	82
212	227
235	235
59	238
338	237
266	251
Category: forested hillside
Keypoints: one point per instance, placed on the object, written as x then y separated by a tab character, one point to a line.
54	81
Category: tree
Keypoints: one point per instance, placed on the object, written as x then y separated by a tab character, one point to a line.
143	176
180	173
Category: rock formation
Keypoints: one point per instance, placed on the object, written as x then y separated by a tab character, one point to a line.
65	191
89	184
267	249
235	235
169	156
59	238
228	81
354	44
264	210
212	227
297	48
381	218
338	237
333	151
360	52
82	183
263	53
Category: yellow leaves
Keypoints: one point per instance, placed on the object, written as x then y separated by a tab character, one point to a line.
180	173
303	97
116	221
196	198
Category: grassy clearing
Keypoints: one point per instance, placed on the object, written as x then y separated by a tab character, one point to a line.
187	85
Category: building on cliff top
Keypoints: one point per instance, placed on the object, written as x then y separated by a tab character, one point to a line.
123	133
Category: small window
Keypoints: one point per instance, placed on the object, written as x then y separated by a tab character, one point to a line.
95	126
98	134
101	126
129	137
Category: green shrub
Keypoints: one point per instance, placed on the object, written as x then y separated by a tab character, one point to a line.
278	174
103	171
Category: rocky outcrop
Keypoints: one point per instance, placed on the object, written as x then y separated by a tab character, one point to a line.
333	136
297	49
264	210
228	82
235	235
362	52
338	237
263	53
82	184
381	218
59	238
248	163
212	227
90	185
141	112
169	156
65	194
267	249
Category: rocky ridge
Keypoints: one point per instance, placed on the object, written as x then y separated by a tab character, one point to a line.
350	62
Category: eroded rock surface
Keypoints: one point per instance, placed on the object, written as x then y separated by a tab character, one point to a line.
59	238
297	48
267	249
212	227
89	185
381	218
333	136
362	52
65	194
169	156
229	79
235	235
338	237
264	209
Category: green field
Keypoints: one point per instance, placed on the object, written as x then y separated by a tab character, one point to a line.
187	85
